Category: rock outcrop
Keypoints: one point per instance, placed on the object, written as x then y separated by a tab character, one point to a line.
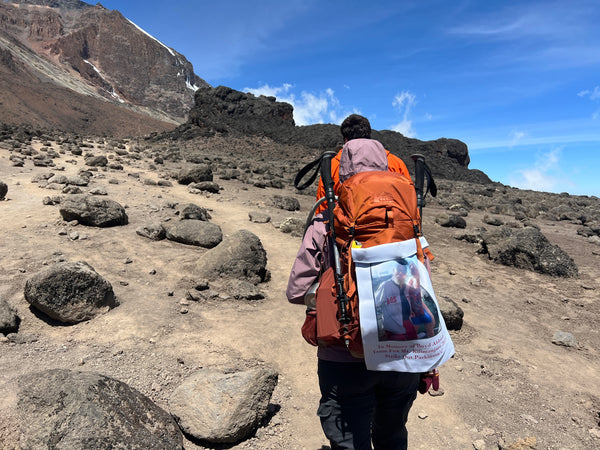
222	110
71	409
93	211
70	292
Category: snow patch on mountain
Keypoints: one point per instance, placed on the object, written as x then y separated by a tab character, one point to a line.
112	89
151	37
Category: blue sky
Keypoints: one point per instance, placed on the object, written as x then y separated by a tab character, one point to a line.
517	81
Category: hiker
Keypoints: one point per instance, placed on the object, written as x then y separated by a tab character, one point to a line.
356	127
357	406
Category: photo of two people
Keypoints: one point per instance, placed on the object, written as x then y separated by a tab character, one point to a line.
405	311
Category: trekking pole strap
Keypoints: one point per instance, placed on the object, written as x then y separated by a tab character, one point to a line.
315	166
422	172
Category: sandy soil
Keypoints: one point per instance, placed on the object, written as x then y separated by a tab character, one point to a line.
507	384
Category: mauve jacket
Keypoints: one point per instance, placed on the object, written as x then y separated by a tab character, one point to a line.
358	155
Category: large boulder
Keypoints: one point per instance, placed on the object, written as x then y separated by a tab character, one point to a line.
240	255
529	249
70	292
96	161
65	409
195	173
195	232
223	407
92	211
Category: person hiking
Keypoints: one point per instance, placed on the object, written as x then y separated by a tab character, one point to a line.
356	127
357	406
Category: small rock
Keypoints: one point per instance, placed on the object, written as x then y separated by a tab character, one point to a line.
565	339
259	217
423	415
529	418
479	444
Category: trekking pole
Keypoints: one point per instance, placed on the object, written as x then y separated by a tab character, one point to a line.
422	171
334	251
419	179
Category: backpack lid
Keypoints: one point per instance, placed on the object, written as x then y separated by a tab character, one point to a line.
362	155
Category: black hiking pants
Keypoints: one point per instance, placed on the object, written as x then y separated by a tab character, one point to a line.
358	405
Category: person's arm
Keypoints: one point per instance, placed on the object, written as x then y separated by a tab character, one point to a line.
307	265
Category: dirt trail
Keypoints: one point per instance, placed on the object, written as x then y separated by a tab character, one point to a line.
506	382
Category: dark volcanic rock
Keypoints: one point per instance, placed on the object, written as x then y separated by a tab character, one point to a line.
204	186
3	190
70	292
194	212
195	232
286	202
451	220
241	255
451	312
9	320
195	173
224	109
93	211
527	249
96	161
70	409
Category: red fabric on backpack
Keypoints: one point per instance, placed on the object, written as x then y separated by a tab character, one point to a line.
329	329
309	327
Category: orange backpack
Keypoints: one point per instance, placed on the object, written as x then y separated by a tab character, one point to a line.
373	208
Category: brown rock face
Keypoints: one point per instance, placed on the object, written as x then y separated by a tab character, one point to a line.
48	47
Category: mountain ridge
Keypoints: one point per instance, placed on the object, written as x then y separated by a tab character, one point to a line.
98	53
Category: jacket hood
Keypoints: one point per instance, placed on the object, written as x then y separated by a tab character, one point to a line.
362	155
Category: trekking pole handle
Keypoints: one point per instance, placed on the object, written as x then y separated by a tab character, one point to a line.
419	178
327	178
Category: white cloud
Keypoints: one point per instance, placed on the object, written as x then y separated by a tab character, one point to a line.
515	137
544	175
309	107
404	103
269	91
592	95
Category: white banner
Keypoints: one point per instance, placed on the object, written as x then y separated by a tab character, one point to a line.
401	324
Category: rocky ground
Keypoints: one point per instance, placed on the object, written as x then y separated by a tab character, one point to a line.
508	385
